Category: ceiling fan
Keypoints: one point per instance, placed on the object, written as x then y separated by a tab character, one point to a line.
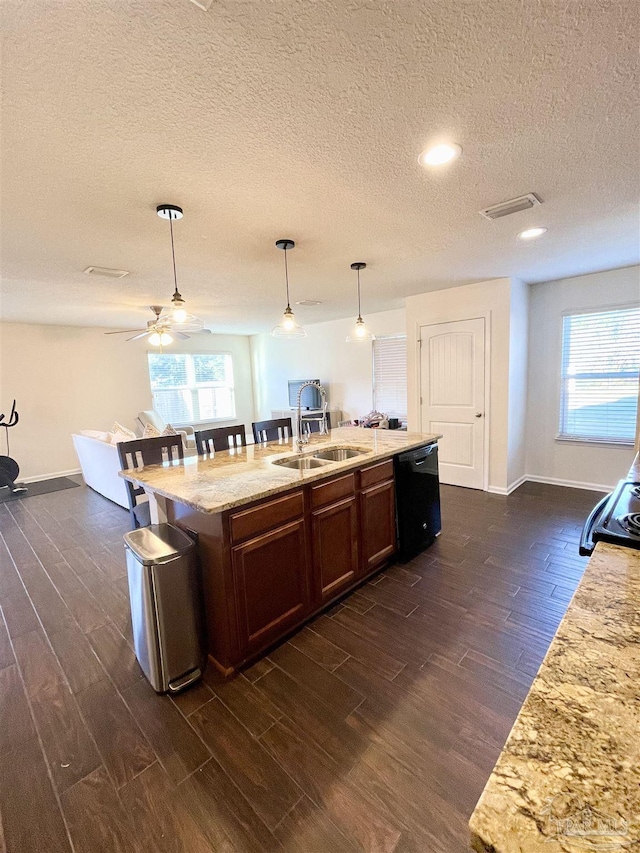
162	330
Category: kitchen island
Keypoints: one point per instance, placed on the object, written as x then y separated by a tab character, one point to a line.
277	544
568	778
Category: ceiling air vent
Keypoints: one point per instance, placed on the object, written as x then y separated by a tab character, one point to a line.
514	205
106	271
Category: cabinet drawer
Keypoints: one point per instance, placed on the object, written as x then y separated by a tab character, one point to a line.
334	490
376	473
266	516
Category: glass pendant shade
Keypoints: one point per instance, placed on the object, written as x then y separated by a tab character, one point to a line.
178	310
287	327
359	333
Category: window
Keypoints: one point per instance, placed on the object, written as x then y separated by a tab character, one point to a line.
190	388
390	376
600	364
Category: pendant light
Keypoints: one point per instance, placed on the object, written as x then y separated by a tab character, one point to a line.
178	311
287	327
359	332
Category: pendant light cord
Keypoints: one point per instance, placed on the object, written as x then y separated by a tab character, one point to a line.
286	276
359	310
173	254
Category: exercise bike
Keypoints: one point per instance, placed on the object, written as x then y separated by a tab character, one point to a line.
9	468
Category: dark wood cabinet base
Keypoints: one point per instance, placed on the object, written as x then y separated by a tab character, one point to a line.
269	567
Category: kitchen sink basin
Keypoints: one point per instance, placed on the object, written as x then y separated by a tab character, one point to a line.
338	454
300	463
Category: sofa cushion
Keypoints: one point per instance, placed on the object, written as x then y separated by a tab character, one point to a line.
118	428
117	437
96	433
150	431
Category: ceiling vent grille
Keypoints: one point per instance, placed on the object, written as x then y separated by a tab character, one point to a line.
106	272
514	205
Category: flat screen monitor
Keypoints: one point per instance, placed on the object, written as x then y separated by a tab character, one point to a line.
311	398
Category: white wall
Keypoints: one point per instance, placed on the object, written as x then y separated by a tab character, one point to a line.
67	378
491	300
518	389
345	369
549	459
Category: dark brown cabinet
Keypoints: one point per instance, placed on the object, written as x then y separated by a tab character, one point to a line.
269	566
377	525
377	514
271	584
335	547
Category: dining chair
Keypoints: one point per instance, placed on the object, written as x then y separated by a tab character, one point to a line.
142	452
273	430
313	424
220	438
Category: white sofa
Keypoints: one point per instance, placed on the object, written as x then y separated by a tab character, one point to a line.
100	465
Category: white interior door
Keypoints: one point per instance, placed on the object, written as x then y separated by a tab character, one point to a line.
452	397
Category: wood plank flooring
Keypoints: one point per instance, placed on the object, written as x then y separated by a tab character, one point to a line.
373	729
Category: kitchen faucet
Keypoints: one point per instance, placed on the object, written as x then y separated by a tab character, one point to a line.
303	439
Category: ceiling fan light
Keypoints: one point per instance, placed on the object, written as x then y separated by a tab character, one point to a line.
160	339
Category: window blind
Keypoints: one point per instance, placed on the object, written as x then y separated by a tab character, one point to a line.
390	376
600	366
192	387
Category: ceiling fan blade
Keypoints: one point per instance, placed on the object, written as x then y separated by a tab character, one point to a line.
141	335
205	332
124	332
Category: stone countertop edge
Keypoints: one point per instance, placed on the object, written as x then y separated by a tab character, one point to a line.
568	777
230	479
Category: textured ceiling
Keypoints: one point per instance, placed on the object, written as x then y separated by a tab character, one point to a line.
292	118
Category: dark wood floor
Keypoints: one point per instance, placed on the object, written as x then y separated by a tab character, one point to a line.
373	729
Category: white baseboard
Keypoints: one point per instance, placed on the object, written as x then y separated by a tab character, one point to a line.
571	484
39	477
550	481
498	490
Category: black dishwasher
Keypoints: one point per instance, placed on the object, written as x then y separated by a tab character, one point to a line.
417	499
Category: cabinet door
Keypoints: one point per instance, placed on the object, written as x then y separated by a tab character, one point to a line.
377	524
335	547
271	584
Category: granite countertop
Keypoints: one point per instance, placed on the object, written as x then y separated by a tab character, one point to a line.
568	778
233	478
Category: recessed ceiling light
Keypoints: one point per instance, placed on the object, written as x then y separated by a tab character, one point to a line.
309	302
532	233
440	154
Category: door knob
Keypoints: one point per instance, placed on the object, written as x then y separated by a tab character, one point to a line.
478	414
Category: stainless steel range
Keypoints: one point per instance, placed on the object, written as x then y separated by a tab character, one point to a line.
615	519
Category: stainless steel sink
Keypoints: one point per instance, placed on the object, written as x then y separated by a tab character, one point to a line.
338	454
300	463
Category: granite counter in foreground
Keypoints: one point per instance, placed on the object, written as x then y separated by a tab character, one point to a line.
233	478
568	778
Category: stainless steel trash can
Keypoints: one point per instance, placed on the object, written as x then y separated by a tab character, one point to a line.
166	605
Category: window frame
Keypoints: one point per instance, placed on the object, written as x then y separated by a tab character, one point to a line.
567	438
400	336
198	385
